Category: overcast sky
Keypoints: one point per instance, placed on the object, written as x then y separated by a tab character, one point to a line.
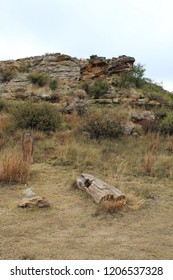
139	28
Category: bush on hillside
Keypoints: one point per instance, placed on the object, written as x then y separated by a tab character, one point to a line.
98	89
38	78
53	84
2	104
103	123
24	67
134	78
162	96
43	116
166	124
7	75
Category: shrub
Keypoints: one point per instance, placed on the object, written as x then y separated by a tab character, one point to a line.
98	88
103	123
38	78
7	75
24	67
132	78
85	86
53	84
150	125
166	124
43	116
2	104
160	95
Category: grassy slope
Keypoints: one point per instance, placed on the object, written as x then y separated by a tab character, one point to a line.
74	227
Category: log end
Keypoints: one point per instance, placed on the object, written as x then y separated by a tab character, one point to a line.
99	190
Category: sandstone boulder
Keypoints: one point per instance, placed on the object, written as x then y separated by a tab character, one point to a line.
36	201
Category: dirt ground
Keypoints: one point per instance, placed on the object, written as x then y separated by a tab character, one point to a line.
72	228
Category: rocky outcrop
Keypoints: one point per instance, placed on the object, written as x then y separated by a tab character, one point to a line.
66	69
142	116
97	66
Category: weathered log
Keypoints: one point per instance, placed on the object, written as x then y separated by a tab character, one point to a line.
98	189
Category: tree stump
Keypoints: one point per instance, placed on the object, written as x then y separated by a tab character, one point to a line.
99	190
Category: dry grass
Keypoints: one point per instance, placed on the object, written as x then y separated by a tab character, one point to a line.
38	136
13	168
169	144
72	230
111	206
4	121
75	227
134	202
151	155
149	164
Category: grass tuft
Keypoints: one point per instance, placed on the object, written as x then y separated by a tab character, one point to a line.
13	169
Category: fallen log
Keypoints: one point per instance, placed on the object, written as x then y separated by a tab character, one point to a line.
99	190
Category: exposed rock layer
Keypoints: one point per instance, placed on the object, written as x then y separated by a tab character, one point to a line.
68	70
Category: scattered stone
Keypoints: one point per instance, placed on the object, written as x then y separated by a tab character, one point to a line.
36	201
29	193
143	116
78	104
128	128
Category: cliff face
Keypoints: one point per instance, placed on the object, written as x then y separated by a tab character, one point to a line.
67	70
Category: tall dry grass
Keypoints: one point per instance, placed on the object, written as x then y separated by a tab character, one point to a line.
151	155
13	169
4	121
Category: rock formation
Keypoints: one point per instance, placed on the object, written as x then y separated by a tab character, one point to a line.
66	69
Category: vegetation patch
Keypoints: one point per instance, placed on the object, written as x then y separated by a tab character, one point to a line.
103	123
13	169
42	116
97	89
7	75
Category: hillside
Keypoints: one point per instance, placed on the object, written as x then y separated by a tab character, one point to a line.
98	116
67	70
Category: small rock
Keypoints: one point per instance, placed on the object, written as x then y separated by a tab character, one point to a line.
29	193
36	201
145	115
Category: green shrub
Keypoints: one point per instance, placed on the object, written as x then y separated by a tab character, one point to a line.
43	116
38	78
53	84
85	86
134	78
166	124
7	75
24	67
2	104
98	88
105	123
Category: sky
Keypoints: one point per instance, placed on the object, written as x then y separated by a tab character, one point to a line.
80	28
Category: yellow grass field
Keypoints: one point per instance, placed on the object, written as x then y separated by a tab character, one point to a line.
75	227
